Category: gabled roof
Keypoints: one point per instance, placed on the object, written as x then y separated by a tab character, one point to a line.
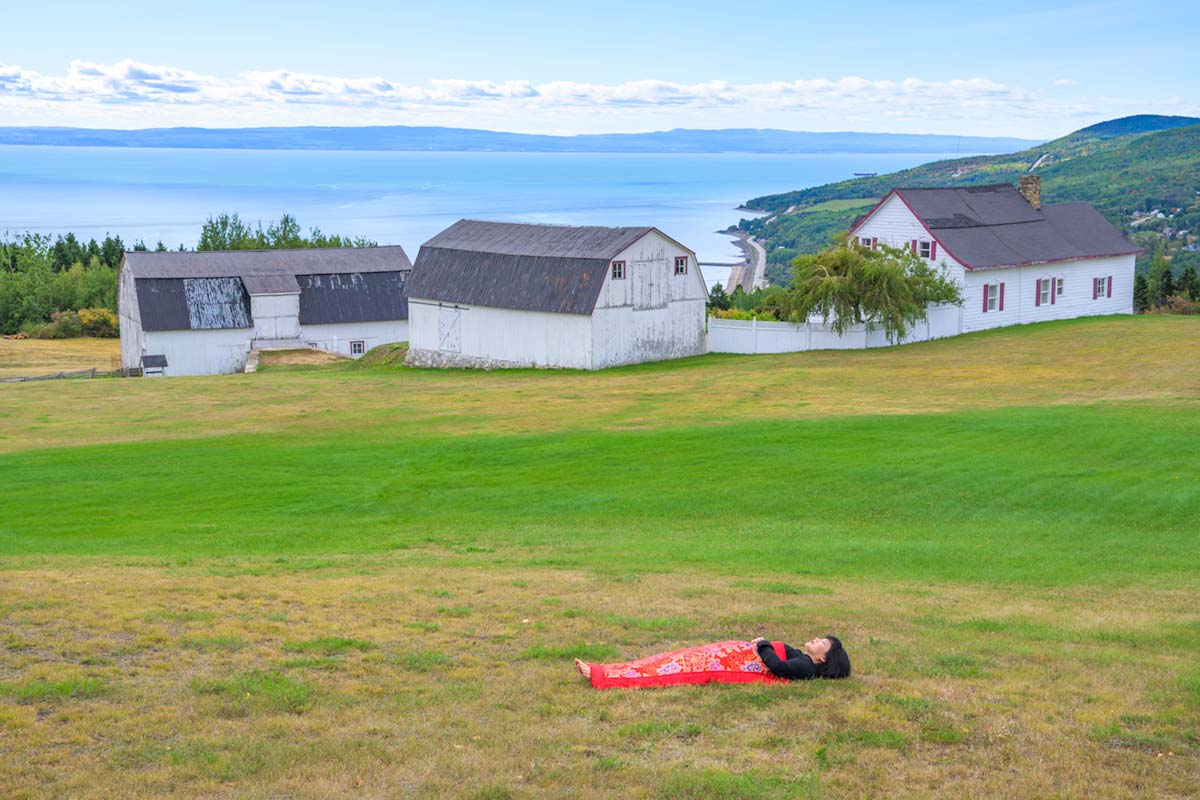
554	268
242	263
211	290
987	227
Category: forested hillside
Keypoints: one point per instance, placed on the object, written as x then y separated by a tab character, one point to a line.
1128	169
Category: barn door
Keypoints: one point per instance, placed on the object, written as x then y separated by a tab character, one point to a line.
449	330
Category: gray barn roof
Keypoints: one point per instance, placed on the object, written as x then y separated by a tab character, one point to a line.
210	290
356	297
555	268
987	227
240	263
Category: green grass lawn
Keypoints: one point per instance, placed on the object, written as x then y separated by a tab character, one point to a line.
357	579
1055	496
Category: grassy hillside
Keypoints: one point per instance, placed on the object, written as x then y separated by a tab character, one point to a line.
1122	167
355	578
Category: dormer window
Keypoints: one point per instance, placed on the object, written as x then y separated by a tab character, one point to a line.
681	265
618	270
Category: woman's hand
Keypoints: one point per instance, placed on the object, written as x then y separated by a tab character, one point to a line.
754	642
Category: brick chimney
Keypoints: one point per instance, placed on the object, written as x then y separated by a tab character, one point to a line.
1030	187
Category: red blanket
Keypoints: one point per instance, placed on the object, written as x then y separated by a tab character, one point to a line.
719	662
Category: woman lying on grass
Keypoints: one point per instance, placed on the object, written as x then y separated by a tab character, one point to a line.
758	661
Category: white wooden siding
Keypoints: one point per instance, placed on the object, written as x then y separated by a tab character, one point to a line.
129	318
526	338
337	336
895	225
207	352
276	316
1020	289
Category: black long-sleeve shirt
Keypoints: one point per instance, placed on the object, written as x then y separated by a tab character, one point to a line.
797	667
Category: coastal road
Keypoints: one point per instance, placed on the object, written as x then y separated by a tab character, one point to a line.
759	265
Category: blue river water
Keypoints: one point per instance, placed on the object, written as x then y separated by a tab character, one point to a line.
400	197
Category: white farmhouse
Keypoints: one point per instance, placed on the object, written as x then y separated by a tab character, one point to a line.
1017	260
202	313
492	294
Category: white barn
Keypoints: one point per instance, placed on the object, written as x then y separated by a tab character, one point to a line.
492	294
202	313
1017	260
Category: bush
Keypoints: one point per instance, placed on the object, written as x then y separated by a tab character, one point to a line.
1178	304
737	313
99	322
62	325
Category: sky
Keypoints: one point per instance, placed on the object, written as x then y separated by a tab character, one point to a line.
1011	68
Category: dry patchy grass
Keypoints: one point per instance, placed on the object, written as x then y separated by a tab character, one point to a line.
1091	361
22	357
383	679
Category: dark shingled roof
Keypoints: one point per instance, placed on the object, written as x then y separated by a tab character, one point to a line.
555	268
208	290
357	297
987	227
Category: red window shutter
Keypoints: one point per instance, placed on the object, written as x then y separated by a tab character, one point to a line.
914	246
1037	296
1053	286
933	250
1095	287
985	297
1002	297
874	242
1110	286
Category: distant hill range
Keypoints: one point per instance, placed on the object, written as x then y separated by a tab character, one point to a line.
1124	167
470	140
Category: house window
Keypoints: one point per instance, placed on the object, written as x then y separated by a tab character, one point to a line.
1060	287
865	241
1100	287
358	348
618	270
993	296
1044	295
925	249
681	265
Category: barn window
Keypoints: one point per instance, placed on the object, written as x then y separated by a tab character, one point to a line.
681	265
993	296
925	249
618	270
358	348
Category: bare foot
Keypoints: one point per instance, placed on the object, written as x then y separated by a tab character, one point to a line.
584	669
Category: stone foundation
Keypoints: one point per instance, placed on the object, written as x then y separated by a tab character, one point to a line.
437	359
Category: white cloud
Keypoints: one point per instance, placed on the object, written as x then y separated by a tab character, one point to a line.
1061	82
132	94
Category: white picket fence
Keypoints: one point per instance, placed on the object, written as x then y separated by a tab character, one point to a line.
740	336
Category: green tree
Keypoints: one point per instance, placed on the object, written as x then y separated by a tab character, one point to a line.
1141	294
888	288
1189	283
718	300
1162	282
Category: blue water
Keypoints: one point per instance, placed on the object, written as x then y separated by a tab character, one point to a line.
400	197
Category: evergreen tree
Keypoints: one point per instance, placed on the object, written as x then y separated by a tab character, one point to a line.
718	300
1189	283
1141	294
1162	282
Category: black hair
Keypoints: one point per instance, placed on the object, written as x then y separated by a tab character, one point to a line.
837	661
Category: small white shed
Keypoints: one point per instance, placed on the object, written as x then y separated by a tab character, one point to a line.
201	313
493	294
